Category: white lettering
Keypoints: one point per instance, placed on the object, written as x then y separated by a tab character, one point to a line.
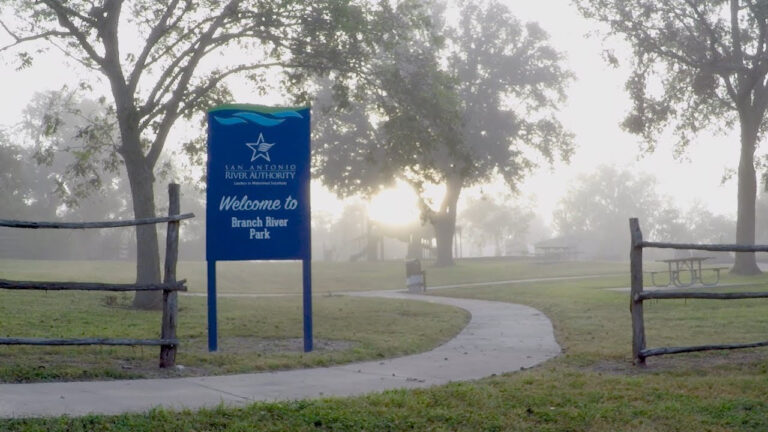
272	222
244	204
247	223
258	235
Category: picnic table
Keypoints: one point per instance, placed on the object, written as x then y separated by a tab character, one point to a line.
687	265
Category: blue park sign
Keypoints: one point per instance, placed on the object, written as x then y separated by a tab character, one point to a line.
257	205
258	184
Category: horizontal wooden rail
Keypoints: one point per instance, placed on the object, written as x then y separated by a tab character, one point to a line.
648	295
638	295
91	286
86	225
677	350
168	342
706	247
93	341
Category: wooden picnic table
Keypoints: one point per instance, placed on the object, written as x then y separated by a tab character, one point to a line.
690	265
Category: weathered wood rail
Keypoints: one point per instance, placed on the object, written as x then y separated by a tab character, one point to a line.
170	286
637	295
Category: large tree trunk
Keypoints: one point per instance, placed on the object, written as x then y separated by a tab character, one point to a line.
140	169
444	231
444	223
141	180
746	263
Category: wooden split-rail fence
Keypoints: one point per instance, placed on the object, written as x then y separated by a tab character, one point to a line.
170	286
638	295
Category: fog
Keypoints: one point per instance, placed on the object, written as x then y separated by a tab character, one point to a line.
583	204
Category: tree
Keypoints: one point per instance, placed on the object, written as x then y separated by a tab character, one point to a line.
162	61
485	220
454	107
697	64
76	135
13	190
762	216
597	206
34	191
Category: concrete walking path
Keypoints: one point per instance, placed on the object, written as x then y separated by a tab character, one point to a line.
500	337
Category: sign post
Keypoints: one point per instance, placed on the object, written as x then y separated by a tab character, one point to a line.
257	205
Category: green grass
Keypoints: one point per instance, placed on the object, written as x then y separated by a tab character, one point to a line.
258	277
255	334
279	277
591	316
592	386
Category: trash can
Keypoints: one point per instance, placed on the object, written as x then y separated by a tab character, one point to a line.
415	279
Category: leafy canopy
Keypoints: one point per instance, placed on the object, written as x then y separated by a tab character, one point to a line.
165	60
455	104
696	64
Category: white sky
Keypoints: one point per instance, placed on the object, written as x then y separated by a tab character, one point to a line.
597	102
596	105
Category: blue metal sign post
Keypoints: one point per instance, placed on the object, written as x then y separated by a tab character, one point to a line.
258	194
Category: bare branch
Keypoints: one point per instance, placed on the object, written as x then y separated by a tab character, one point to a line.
18	40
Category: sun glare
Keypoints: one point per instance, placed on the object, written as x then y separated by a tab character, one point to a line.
394	206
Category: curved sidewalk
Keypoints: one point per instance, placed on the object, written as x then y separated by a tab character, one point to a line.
500	337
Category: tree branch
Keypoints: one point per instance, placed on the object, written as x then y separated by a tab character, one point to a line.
173	103
160	29
729	87
171	72
18	40
738	52
714	39
212	82
63	14
107	31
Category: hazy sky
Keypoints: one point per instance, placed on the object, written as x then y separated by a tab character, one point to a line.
596	105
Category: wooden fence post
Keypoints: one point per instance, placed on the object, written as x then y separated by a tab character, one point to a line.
170	298
635	302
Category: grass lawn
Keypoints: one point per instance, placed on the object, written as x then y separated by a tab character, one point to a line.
255	334
592	386
280	277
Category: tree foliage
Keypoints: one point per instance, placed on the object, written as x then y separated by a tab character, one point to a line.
597	208
505	227
13	189
456	106
80	137
697	65
166	60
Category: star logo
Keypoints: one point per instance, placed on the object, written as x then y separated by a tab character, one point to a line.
260	149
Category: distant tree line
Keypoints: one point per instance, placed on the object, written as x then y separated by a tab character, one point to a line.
597	207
